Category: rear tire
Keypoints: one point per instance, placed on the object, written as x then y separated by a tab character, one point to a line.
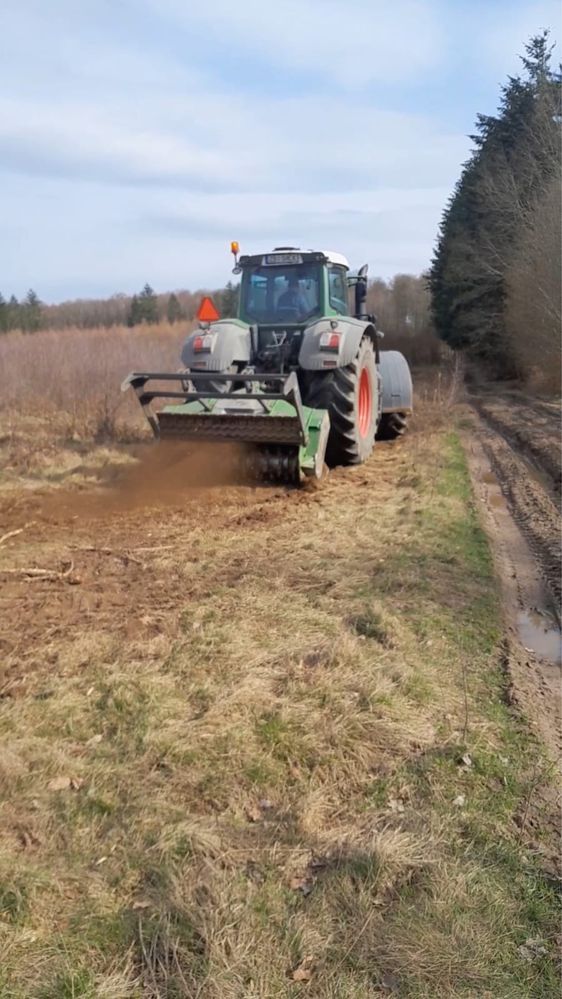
350	395
391	426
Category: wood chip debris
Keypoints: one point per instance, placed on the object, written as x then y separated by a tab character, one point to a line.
13	534
46	575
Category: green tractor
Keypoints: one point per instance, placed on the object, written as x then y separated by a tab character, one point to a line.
294	376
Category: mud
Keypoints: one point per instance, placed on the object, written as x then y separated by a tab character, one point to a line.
531	427
540	635
518	499
521	439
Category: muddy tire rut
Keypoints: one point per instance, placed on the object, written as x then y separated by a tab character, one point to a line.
522	444
514	459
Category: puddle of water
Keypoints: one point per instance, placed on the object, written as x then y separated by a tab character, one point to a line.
539	634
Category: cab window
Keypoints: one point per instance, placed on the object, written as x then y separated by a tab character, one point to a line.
288	294
338	289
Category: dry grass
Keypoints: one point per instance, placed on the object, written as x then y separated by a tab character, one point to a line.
73	376
265	747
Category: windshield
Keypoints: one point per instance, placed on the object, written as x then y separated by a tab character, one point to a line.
287	294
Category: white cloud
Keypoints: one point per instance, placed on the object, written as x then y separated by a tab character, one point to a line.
97	240
356	44
220	142
137	138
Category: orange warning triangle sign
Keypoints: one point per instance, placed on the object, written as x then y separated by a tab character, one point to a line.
207	312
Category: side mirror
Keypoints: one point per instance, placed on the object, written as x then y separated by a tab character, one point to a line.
361	292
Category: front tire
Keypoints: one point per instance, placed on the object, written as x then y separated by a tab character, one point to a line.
391	426
350	395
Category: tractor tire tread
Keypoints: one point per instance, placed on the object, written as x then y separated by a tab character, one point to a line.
334	391
392	425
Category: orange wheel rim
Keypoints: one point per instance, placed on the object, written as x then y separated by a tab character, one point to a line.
365	402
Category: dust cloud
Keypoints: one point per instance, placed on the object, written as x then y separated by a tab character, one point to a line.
163	474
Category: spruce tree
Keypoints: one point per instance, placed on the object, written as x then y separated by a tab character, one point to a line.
143	307
148	305
134	315
228	300
13	313
30	312
174	311
516	155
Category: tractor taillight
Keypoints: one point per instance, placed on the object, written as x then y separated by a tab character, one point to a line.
203	343
330	340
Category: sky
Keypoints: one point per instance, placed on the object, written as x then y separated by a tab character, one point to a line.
138	137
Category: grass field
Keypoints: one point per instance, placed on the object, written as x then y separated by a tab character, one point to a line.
264	747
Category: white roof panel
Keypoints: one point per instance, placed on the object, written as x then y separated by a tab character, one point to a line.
333	257
336	258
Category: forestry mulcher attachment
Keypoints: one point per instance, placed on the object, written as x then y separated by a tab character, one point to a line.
294	376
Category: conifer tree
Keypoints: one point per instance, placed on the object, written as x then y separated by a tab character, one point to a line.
174	311
134	314
148	305
515	159
228	300
30	312
13	313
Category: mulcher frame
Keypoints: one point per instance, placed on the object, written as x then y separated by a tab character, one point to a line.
284	420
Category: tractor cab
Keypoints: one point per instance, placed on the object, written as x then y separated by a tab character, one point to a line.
289	288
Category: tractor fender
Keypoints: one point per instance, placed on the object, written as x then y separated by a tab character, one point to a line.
229	344
397	392
352	331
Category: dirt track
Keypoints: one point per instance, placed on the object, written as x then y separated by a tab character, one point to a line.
531	427
514	455
521	439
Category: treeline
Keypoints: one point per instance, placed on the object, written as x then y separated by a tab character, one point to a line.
402	307
147	306
496	275
26	315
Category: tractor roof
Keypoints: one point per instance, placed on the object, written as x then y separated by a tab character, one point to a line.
336	258
284	252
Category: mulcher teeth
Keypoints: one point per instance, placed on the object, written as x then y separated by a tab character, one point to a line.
286	440
274	464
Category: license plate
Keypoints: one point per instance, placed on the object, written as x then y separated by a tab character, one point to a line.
281	259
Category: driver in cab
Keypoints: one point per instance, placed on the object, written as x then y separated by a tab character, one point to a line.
294	298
